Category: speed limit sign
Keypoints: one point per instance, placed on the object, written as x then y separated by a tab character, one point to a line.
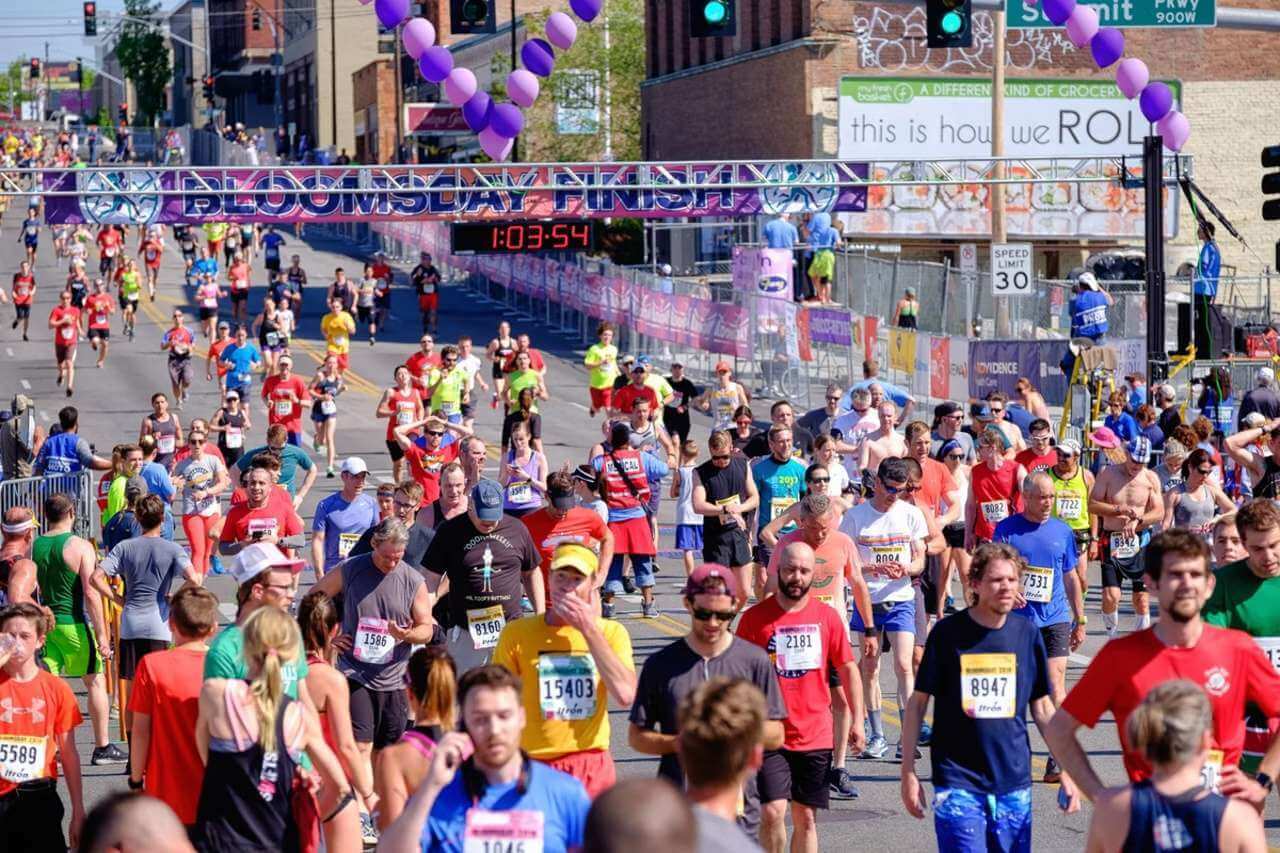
1011	269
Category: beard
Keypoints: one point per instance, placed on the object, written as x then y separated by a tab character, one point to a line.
795	590
1183	610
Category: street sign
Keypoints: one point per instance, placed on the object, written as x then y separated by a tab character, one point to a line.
1026	14
1011	271
968	257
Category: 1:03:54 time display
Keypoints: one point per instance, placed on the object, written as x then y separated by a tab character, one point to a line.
503	238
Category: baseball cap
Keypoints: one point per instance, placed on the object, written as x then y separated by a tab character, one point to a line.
627	359
983	413
1139	449
1253	420
571	555
1105	438
1264	375
134	488
224	325
645	360
711	578
1069	447
562	499
585	474
233	394
724	366
354	465
486	499
255	559
950	407
676	364
1089	280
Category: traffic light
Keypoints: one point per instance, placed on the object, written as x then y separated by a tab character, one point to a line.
1271	183
710	19
257	19
473	16
35	68
949	23
90	18
208	88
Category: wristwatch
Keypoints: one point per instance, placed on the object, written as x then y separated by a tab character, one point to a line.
1268	784
135	786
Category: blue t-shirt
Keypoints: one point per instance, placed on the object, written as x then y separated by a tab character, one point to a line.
242	359
654	470
342	522
779	486
291	459
1048	546
821	234
896	393
1089	315
1208	267
779	234
1020	418
988	755
205	266
560	798
158	482
1123	425
271	243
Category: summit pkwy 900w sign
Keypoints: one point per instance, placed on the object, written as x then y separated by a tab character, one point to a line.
1130	14
138	195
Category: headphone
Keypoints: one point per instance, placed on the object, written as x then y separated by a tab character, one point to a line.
474	783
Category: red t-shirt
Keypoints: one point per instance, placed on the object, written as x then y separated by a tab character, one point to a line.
418	364
382	271
425	467
812	640
23	285
991	496
239	275
66	336
43	708
108	242
243	522
215	350
98	305
580	525
935	482
1035	463
151	251
624	399
1226	664
280	409
166	687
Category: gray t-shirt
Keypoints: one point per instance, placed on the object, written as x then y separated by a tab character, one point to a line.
199	475
149	566
717	835
371	600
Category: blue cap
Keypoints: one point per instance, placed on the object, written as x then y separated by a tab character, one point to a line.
486	500
1139	448
645	360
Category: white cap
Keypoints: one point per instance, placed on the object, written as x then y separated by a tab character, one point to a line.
354	465
1264	376
665	269
255	559
1089	280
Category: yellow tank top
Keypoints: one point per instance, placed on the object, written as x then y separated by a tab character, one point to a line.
1071	499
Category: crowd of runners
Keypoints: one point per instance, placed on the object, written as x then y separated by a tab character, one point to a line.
445	684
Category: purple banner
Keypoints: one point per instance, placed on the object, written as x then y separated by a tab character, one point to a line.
279	195
830	326
997	365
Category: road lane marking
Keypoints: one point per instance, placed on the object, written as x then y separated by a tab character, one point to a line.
26	386
8	351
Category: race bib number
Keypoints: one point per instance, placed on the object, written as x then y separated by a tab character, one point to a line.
1211	772
988	685
99	319
1124	546
1271	648
449	407
1037	584
994	511
243	378
798	647
780	506
166	443
22	757
485	624
209	302
284	408
404	414
881	554
110	251
1069	506
273	339
347	541
328	407
68	333
260	526
519	493
340	341
567	687
374	642
502	832
235	437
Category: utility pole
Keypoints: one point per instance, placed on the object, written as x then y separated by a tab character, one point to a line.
398	156
1153	202
999	233
333	70
515	143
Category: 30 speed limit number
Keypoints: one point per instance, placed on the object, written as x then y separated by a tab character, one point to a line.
1011	269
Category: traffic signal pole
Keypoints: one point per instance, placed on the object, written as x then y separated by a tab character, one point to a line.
1153	201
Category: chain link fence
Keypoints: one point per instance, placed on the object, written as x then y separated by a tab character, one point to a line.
30	492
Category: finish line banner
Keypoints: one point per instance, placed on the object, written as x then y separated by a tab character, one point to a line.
136	195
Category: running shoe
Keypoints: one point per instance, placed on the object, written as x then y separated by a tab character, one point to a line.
215	565
898	753
607	609
649	609
330	472
109	754
628	585
926	734
1052	772
368	833
842	787
877	747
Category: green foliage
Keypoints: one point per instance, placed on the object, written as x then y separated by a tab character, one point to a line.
144	57
13	82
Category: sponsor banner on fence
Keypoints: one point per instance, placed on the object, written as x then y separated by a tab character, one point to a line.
997	365
902	350
828	325
493	191
939	367
920	377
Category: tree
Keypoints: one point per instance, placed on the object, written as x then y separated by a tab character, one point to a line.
15	90
144	58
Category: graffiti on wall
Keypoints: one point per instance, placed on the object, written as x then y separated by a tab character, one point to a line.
890	41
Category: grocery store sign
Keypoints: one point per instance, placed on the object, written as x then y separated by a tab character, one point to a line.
917	119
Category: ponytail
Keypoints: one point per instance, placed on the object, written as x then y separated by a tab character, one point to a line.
1169	726
271	641
317	614
433	681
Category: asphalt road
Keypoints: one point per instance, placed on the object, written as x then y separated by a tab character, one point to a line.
113	401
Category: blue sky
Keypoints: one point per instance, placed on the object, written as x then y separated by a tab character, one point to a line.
25	27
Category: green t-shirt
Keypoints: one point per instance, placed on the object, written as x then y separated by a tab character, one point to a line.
603	362
130	284
226	660
517	381
291	459
660	386
447	399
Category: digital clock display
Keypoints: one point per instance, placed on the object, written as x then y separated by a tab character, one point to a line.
503	238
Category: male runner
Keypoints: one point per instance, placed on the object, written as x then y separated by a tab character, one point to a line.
23	293
1226	664
563	521
151	252
99	306
995	482
130	283
178	341
1228	547
291	459
241	357
778	477
342	517
427	460
1040	455
216	347
64	569
1050	595
264	517
885	442
724	493
1126	499
64	321
602	363
109	242
17	570
29	235
426	283
285	394
1072	483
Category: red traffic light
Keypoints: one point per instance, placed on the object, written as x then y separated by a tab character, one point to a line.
91	8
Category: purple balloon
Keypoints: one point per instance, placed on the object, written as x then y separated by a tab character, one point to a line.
477	111
435	63
538	57
522	88
1132	77
497	147
391	12
460	86
561	30
1156	100
587	10
507	120
418	35
1107	46
1057	11
1175	129
1082	26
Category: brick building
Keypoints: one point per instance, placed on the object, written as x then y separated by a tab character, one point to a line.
243	38
774	90
373	97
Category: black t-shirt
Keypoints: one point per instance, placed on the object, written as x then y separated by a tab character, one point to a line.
983	748
801	441
723	486
419	538
458	551
509	422
424	278
1168	421
685	392
816	420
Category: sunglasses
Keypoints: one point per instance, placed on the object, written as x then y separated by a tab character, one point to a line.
997	411
1205	471
721	457
956	456
437	433
820	480
404	505
703	615
898	490
833	399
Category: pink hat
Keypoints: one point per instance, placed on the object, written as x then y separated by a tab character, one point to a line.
1105	438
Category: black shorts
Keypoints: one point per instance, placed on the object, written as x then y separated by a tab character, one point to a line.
189	254
1057	639
800	777
397	452
103	334
31	817
364	313
378	717
239	296
133	651
762	554
728	548
497	371
273	264
468	410
953	535
23	311
929	582
1116	570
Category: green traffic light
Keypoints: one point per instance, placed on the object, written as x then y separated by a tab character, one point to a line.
714	12
952	23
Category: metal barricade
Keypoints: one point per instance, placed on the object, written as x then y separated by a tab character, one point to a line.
31	492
